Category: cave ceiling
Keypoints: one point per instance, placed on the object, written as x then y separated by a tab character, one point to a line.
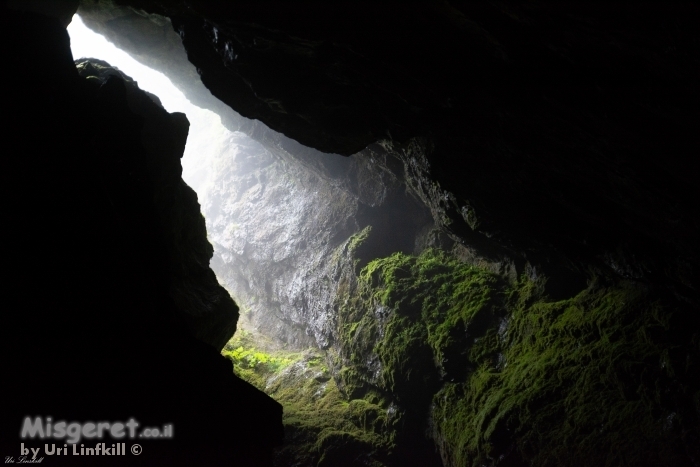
549	132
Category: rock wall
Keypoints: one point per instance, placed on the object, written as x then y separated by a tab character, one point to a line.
278	217
500	373
112	311
276	210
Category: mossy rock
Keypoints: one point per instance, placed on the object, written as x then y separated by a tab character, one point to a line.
322	425
586	381
605	377
499	373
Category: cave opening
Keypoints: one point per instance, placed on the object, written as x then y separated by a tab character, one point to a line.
209	145
291	228
205	131
207	138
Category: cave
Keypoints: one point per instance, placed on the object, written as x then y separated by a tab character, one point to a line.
439	234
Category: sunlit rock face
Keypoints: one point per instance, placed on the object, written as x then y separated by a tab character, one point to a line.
279	218
276	210
114	311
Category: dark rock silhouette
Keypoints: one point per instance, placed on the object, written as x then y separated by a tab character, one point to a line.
111	309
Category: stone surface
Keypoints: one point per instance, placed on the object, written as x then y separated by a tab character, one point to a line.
279	217
111	309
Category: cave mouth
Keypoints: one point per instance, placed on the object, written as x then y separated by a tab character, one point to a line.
276	212
291	228
205	126
209	144
389	341
207	138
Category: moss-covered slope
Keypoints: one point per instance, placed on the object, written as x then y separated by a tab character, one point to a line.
501	374
437	361
322	427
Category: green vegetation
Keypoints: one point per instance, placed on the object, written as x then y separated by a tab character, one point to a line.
357	239
602	378
499	372
251	358
250	362
322	427
418	316
435	301
585	381
404	326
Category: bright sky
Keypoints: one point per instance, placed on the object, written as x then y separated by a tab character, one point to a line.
206	132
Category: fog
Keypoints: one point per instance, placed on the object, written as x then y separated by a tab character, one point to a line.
206	135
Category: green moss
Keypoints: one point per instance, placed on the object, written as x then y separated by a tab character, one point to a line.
602	378
252	363
438	307
251	358
605	378
586	381
359	238
404	325
322	426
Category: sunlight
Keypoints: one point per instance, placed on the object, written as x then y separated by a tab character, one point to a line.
206	134
86	43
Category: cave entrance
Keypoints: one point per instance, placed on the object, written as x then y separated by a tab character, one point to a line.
206	130
207	169
291	228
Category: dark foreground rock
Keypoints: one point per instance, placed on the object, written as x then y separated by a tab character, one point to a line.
109	308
